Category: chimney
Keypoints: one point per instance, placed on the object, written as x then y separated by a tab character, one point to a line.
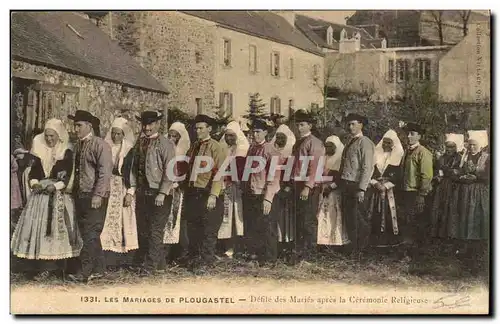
289	15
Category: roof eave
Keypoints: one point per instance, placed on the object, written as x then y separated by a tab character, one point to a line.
88	75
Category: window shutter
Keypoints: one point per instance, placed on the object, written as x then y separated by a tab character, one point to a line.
278	110
230	104
407	70
272	105
229	51
272	64
391	71
427	70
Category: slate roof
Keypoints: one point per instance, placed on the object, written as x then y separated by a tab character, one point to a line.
264	24
46	38
315	30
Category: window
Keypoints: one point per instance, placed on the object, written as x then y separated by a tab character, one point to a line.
199	106
226	103
197	56
329	36
227	52
390	71
402	67
252	60
316	72
275	64
291	104
290	74
275	105
423	69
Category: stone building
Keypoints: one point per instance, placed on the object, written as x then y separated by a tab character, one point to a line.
465	71
213	61
328	35
406	28
61	62
385	73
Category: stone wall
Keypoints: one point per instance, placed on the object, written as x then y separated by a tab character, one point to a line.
177	49
105	100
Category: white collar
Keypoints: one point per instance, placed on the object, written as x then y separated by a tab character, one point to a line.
89	135
305	135
414	146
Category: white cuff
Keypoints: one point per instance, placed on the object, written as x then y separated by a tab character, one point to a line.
59	185
333	185
131	191
33	182
441	173
373	182
389	185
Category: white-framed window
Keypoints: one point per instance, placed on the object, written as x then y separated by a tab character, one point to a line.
275	105
275	64
291	73
226	103
252	59
423	69
227	52
329	36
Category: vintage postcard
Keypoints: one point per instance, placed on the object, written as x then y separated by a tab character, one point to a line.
250	162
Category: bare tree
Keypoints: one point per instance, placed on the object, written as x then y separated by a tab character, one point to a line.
437	16
465	16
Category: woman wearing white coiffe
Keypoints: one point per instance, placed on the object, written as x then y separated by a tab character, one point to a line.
381	200
46	229
180	136
283	141
331	229
120	227
236	145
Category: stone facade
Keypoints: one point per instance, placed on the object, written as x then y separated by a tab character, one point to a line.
465	71
367	71
185	53
177	49
60	94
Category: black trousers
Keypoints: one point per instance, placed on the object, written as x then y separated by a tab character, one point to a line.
202	225
262	230
151	222
355	216
306	212
91	222
414	225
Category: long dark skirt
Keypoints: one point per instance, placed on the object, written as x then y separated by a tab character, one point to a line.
474	221
385	225
444	213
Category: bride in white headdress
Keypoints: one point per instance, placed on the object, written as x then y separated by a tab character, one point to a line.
331	229
175	229
47	228
120	227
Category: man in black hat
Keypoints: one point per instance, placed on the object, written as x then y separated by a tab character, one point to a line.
356	169
259	189
203	199
91	186
147	177
308	149
417	179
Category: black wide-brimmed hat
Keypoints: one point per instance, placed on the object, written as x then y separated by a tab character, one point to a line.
85	116
204	119
414	127
357	117
149	116
303	116
259	124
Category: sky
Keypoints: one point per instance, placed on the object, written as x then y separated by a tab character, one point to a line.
330	15
339	16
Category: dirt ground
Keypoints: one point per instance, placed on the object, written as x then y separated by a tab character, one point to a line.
333	286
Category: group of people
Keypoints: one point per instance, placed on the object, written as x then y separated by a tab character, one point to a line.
77	200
